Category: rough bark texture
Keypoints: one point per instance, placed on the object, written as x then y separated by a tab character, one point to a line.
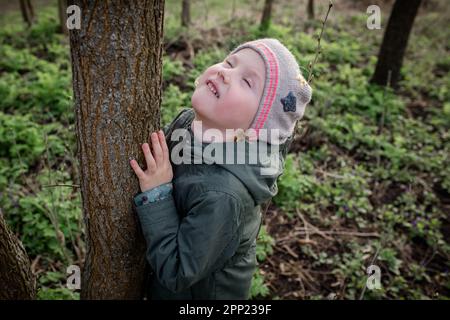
27	12
17	282
185	13
267	15
310	9
116	62
62	11
395	41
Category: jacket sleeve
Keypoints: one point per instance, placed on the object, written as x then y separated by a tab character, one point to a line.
182	251
154	194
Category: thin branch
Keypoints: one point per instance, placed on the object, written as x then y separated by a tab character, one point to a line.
332	175
355	234
325	234
318	50
61	185
383	115
304	223
371	263
316	229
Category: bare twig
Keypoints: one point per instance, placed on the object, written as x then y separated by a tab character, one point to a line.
371	263
425	261
318	50
354	234
325	234
385	110
61	185
52	213
290	251
328	174
304	223
34	264
317	230
383	115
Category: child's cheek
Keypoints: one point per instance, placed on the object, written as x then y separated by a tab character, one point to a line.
243	107
236	98
233	104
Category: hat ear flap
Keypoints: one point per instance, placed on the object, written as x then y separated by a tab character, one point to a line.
305	93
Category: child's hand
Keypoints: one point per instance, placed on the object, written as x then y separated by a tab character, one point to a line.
159	169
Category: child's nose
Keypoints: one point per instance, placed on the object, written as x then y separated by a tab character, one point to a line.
224	76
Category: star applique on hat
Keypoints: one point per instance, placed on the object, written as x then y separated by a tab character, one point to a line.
289	102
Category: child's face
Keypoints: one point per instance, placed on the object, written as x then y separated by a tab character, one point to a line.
239	81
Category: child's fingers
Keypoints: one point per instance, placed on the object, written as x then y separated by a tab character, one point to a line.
151	164
137	170
162	141
157	151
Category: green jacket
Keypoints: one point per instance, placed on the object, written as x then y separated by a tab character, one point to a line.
201	240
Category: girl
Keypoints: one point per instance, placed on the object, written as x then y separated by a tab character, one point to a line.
201	218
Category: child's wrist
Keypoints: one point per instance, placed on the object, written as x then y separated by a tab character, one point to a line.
154	194
147	187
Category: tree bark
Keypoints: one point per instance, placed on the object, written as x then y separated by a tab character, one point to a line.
395	40
62	11
310	9
266	16
17	282
27	12
116	65
185	13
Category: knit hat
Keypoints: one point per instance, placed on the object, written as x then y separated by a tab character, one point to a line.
286	92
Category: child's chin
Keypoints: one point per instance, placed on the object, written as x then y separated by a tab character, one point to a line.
202	92
200	103
199	113
197	109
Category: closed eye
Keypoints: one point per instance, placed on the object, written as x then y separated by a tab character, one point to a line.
229	63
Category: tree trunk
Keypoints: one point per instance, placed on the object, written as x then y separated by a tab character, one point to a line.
27	12
17	282
266	16
62	11
395	40
310	9
206	12
185	13
233	10
116	65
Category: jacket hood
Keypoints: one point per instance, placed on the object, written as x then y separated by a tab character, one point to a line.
259	176
256	164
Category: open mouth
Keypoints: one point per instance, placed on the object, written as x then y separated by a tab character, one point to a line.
213	88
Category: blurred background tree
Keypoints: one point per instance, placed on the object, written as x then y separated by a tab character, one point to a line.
394	43
310	9
266	16
27	12
185	13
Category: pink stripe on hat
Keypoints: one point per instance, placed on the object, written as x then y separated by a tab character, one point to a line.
273	83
